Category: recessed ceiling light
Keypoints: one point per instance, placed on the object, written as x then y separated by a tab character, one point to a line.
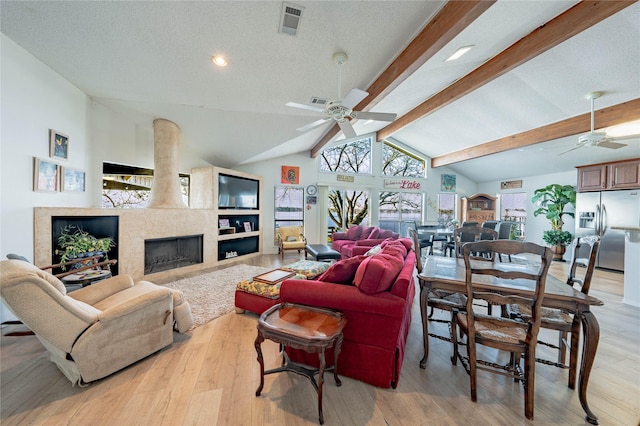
219	61
458	53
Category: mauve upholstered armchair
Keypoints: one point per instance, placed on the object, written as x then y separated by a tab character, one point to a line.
97	330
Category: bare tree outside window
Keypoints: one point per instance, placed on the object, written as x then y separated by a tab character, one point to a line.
398	162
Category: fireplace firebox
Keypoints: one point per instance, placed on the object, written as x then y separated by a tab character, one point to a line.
163	254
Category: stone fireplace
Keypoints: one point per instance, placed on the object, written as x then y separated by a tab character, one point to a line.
162	254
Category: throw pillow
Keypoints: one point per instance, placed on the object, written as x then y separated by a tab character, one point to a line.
344	271
377	273
366	232
397	249
374	250
354	232
291	238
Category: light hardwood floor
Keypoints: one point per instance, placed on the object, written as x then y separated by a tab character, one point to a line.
209	377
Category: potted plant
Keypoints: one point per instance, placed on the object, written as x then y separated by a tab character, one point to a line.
76	243
552	201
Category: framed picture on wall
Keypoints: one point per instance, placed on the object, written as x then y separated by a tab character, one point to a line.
46	176
72	180
58	145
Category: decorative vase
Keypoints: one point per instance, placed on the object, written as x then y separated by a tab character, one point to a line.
558	251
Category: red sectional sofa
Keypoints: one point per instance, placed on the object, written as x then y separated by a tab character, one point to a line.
359	236
375	293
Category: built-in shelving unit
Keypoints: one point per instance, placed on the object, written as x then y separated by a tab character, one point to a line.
236	199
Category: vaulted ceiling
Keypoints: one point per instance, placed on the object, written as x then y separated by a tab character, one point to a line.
504	110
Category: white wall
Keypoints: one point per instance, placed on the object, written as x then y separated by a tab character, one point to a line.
536	225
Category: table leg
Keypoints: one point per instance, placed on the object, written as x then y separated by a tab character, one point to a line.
591	330
336	352
320	382
424	295
258	342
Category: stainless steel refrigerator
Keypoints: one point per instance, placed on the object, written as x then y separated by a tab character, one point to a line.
597	212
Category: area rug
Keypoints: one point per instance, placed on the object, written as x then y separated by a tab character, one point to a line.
212	294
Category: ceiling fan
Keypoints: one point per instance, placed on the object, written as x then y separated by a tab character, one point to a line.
341	110
594	138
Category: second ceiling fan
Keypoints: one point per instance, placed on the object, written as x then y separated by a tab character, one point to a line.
341	110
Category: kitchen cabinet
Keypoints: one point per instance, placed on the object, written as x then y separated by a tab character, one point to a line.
609	176
478	208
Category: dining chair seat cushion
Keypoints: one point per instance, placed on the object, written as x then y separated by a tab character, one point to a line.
495	328
344	271
547	315
447	298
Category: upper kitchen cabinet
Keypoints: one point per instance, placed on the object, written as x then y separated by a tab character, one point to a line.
609	176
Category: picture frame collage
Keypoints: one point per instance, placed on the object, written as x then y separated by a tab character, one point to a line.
50	176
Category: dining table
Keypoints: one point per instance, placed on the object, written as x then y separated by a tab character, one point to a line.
448	273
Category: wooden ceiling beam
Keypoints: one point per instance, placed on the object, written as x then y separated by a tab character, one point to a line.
452	18
610	116
566	25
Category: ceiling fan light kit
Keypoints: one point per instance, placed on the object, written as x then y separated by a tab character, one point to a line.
341	110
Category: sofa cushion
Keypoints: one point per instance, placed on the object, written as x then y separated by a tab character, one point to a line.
354	233
309	268
375	234
366	232
344	271
387	233
376	273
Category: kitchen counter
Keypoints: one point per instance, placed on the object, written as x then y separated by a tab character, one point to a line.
631	264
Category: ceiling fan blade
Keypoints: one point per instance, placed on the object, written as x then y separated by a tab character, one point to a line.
569	150
354	97
303	106
314	124
347	129
611	145
377	116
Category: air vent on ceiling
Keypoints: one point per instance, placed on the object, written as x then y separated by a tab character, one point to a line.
290	19
319	101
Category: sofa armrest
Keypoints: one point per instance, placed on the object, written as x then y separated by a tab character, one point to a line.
102	289
359	250
341	297
137	303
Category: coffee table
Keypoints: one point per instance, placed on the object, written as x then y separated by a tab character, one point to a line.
301	327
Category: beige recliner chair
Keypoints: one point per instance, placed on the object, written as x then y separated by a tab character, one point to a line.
97	330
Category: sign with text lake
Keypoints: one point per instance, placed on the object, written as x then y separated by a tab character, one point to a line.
410	184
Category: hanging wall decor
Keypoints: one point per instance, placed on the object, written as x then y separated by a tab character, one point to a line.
448	183
290	174
58	145
46	176
72	180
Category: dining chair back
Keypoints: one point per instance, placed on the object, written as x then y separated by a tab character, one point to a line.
425	241
505	334
467	234
563	321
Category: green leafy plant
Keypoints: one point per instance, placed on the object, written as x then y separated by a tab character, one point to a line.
557	237
552	201
75	242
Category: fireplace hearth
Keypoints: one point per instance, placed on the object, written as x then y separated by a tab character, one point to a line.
163	254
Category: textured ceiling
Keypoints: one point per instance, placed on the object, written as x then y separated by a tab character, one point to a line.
152	59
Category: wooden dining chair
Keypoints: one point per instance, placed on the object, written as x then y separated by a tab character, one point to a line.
438	299
424	241
518	337
585	251
466	234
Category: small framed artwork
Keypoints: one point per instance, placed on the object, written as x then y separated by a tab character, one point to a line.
58	145
223	223
72	180
312	199
448	183
247	227
290	174
46	176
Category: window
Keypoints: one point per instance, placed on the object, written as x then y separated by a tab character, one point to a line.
513	208
289	207
129	187
444	207
398	162
347	207
352	157
396	208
